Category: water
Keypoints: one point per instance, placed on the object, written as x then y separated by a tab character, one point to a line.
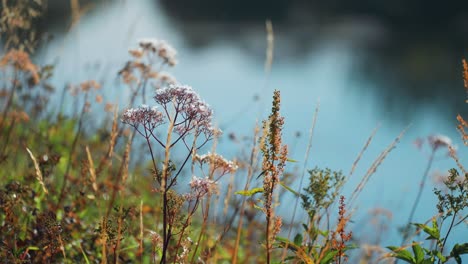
345	68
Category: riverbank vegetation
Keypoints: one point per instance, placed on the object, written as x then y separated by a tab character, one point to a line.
147	184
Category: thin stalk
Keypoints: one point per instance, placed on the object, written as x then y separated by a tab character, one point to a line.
164	190
202	231
418	197
448	233
72	151
10	99
304	169
253	157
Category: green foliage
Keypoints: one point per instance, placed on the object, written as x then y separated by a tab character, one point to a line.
455	198
315	244
322	190
451	202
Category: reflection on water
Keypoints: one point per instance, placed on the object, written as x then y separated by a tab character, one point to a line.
362	72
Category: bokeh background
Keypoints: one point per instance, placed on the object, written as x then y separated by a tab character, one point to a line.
391	64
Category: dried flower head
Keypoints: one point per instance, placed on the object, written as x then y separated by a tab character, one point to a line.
167	78
435	142
217	162
87	85
20	61
161	48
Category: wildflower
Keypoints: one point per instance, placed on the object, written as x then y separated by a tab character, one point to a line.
339	236
202	186
218	162
145	115
189	106
161	48
137	53
438	141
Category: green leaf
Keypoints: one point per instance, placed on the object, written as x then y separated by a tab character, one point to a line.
33	248
289	189
324	233
433	232
459	250
298	239
258	207
441	257
328	257
402	254
418	253
298	251
428	261
290	160
250	192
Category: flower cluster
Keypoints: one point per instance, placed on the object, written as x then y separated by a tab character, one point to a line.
149	117
194	113
439	141
202	186
217	162
161	48
435	142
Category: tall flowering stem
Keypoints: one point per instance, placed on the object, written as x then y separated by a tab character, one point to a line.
339	237
274	160
185	115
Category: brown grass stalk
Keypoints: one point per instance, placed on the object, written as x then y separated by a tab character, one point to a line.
92	171
373	168
252	165
38	171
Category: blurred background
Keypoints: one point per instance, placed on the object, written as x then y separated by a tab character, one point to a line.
387	64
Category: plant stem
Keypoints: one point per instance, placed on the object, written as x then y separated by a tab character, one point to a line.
418	197
448	232
72	151
164	189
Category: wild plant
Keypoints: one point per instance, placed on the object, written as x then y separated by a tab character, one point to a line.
19	23
274	160
188	121
146	67
451	204
436	143
25	93
319	242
